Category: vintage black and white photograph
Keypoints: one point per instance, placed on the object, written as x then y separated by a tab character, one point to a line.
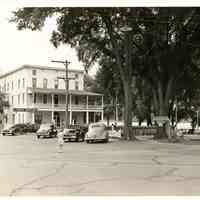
99	101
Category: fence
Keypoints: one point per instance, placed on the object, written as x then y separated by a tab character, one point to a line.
144	130
138	130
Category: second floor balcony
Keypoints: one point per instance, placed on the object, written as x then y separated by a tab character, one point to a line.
48	99
61	107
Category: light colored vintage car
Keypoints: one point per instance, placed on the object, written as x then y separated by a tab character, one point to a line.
97	132
73	134
46	131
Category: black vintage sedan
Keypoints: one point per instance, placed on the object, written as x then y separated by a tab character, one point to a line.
14	130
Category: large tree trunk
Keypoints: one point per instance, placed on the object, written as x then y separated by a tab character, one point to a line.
128	134
161	98
162	110
125	70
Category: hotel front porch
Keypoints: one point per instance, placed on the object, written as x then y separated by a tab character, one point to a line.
58	117
49	105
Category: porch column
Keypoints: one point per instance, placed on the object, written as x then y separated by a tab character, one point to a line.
52	107
33	117
70	105
87	112
33	95
102	112
94	117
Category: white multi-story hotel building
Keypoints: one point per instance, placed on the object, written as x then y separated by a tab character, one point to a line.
37	95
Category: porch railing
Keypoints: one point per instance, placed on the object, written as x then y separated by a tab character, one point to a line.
62	106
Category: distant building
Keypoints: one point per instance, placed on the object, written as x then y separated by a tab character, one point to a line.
36	95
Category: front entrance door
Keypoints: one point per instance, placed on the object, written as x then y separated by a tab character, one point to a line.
57	118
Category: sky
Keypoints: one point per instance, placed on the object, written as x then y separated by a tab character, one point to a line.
31	47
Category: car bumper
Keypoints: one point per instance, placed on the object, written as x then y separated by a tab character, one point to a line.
69	137
7	132
96	138
42	134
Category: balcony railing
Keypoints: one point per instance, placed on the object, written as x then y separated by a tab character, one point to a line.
41	106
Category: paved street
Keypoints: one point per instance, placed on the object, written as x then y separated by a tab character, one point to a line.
34	167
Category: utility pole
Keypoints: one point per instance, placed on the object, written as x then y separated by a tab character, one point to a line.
66	79
116	108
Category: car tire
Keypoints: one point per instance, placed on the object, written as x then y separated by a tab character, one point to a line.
106	140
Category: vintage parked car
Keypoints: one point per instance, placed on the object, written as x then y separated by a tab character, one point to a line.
195	131
31	128
46	131
14	130
97	132
73	134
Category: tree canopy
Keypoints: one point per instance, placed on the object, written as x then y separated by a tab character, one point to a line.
159	45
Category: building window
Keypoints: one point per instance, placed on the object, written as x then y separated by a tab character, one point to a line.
4	87
22	117
34	72
45	83
76	100
34	98
12	85
23	82
56	84
34	82
55	100
76	85
23	98
12	100
45	99
76	76
18	98
7	86
18	83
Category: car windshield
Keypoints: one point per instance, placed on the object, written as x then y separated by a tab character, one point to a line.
69	130
45	126
97	126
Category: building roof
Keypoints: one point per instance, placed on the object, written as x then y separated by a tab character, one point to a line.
38	67
62	91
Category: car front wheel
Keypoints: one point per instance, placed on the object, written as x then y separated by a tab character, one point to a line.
106	140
